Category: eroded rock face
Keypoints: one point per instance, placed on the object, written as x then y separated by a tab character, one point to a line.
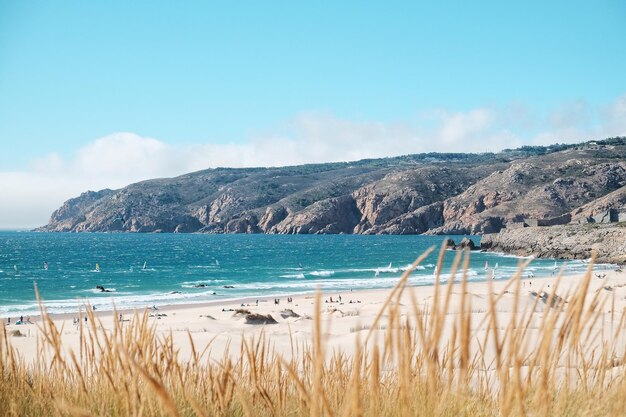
614	200
218	209
335	215
416	222
272	216
529	190
248	223
73	212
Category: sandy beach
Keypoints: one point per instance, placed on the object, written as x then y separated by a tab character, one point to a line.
344	319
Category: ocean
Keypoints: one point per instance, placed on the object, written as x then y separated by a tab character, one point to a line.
143	270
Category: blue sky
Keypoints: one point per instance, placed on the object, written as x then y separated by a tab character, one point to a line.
231	78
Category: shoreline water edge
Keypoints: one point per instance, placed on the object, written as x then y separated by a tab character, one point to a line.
224	324
201	270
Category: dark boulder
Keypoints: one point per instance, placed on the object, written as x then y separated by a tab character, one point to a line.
450	244
467	243
255	318
288	313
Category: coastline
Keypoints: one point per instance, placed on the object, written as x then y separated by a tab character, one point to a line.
234	300
216	323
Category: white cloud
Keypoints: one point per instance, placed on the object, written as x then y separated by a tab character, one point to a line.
27	198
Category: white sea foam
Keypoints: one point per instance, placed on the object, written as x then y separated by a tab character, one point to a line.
323	273
293	276
190	284
108	303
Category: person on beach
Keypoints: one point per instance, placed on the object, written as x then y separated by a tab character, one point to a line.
9	321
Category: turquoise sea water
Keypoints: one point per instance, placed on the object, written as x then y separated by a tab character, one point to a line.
254	265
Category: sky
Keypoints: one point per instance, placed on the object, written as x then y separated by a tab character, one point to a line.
102	94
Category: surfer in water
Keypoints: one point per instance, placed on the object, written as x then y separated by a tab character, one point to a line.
45	265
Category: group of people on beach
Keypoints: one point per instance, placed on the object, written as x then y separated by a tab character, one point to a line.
337	300
20	321
277	301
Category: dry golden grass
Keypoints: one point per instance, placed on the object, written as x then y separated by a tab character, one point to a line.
424	363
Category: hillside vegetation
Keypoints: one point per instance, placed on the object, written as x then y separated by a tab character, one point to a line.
433	193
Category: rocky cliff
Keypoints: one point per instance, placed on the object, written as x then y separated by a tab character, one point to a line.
572	241
423	193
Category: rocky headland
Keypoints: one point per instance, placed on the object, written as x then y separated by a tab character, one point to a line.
516	190
572	241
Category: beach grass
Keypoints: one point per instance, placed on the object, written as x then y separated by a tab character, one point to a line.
425	361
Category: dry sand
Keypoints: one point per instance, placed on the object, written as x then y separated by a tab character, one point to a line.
342	322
